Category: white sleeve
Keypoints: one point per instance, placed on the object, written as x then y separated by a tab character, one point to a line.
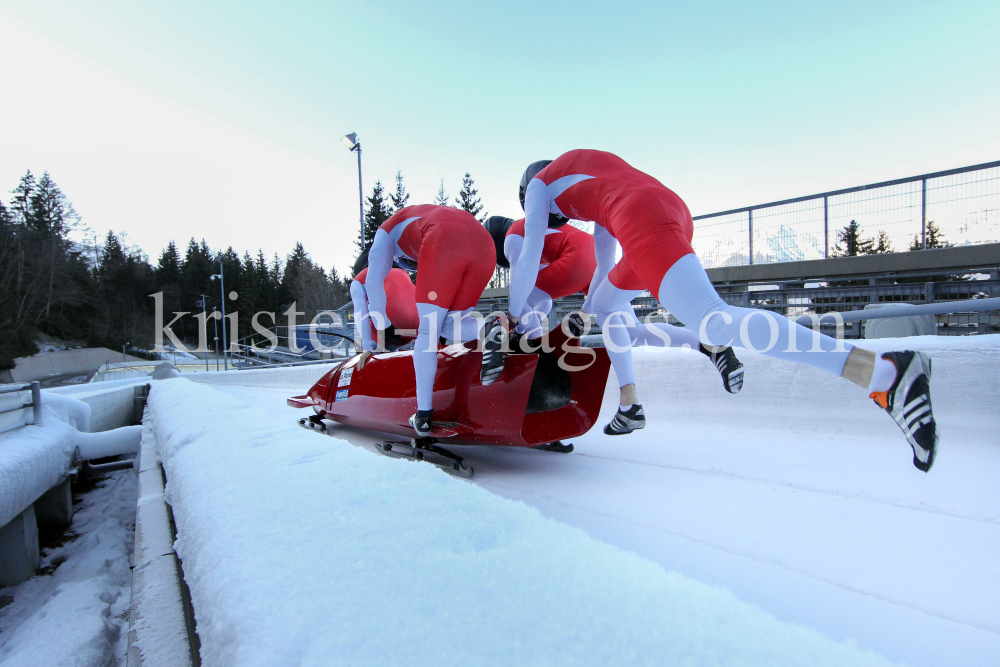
536	221
362	323
379	263
512	249
604	252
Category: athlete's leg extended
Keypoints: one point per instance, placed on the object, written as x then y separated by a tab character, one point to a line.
621	330
687	292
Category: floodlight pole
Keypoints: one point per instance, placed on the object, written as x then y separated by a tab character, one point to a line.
351	141
204	321
225	340
361	195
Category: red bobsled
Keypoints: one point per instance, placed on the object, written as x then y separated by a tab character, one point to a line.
539	399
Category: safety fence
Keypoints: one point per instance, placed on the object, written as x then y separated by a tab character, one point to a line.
957	207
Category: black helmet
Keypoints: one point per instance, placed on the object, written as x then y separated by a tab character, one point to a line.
497	226
361	263
555	220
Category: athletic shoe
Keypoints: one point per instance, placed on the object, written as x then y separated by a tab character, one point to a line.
493	356
626	421
421	422
908	402
730	368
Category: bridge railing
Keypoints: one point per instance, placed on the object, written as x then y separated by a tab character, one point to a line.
13	408
963	204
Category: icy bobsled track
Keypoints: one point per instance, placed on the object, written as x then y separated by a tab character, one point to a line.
785	525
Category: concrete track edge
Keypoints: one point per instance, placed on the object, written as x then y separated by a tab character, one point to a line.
161	623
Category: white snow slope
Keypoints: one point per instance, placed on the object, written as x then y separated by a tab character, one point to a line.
303	550
798	495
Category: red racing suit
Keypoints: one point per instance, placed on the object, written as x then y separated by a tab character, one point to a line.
455	253
400	305
567	264
652	224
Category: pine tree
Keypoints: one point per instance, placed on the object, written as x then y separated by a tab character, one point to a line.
402	196
850	243
377	211
882	244
467	200
935	238
442	197
168	269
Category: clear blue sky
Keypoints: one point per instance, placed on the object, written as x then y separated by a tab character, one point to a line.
727	103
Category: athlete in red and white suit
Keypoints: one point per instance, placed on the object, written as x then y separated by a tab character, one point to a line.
654	227
400	307
567	267
456	261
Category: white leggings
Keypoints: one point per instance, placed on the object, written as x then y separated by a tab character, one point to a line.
622	330
688	294
435	321
536	309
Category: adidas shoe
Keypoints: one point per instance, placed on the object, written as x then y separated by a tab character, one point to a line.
493	356
626	421
421	422
730	368
908	402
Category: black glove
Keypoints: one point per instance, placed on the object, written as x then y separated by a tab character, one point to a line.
575	324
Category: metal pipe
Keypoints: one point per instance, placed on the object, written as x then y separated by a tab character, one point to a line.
943	308
36	403
361	198
923	214
826	230
89	468
222	294
750	213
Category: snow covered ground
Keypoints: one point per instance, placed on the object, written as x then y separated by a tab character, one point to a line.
303	550
78	613
797	495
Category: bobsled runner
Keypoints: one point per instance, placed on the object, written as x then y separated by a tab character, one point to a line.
541	398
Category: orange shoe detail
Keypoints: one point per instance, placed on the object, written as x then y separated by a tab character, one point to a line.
881	397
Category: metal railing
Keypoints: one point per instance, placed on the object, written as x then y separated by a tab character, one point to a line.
12	400
300	345
964	205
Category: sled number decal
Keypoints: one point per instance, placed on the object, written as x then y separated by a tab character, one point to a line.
345	378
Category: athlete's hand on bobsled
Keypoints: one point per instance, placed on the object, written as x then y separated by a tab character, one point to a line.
365	356
577	323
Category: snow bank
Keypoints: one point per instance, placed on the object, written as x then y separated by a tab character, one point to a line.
74	617
777	395
301	550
